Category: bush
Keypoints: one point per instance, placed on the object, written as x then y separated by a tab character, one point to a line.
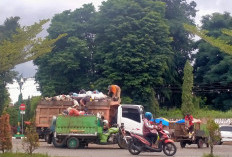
31	142
23	155
5	133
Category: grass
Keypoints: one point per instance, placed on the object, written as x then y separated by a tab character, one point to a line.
201	113
23	155
209	155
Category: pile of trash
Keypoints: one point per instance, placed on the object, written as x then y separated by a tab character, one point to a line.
78	108
95	95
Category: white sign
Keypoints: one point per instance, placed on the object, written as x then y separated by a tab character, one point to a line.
223	121
22	112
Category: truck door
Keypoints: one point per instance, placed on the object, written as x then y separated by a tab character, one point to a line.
131	116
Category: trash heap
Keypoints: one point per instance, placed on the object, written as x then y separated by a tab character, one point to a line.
77	109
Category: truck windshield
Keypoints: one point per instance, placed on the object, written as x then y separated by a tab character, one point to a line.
131	113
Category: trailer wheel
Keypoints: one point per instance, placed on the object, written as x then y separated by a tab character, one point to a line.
73	143
200	143
59	143
182	144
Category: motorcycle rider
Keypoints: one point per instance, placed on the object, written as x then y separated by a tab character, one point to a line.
149	131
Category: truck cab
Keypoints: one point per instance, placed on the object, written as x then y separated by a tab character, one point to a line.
132	117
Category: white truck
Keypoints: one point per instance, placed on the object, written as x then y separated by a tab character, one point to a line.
131	116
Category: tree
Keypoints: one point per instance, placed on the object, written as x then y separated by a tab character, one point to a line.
154	104
132	47
31	142
71	57
187	96
6	30
5	133
19	45
177	12
212	67
125	43
214	136
24	46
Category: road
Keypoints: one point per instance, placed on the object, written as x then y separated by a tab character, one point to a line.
93	150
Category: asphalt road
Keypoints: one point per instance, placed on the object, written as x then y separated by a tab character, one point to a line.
94	150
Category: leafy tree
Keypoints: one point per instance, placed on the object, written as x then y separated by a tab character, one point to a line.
10	25
125	43
33	104
187	96
133	49
154	104
71	57
177	12
19	45
24	46
212	67
13	113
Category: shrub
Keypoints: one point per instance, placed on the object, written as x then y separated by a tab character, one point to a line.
212	128
31	142
23	155
5	133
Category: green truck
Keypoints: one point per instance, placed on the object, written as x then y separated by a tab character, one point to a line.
78	131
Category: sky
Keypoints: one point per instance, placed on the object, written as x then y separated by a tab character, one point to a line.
31	11
29	89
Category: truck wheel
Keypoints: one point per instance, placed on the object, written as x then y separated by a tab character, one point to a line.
48	138
59	143
182	144
73	143
200	143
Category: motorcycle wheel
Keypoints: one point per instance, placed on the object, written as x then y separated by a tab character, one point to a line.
132	149
169	149
121	142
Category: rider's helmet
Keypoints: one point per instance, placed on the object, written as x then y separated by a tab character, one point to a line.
148	115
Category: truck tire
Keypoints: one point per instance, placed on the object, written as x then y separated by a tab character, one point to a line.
59	143
200	143
49	138
73	143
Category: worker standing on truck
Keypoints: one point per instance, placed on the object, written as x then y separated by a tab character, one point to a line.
84	101
114	92
189	124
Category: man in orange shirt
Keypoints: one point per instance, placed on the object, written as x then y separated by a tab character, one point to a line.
114	92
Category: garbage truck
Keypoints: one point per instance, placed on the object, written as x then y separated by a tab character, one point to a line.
46	109
78	131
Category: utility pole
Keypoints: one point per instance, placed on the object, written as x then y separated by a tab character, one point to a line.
20	82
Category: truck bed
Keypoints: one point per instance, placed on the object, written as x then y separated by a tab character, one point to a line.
47	109
88	125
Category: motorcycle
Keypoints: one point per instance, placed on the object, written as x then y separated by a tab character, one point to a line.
138	143
114	135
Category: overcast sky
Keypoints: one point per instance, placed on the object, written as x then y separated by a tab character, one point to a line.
31	11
